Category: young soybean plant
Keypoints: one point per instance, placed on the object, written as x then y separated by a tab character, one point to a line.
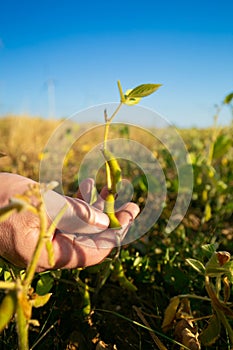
113	170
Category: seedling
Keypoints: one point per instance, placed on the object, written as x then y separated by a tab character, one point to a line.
113	170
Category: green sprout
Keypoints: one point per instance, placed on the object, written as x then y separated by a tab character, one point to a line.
113	170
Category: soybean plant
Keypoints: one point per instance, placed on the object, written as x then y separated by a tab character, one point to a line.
113	170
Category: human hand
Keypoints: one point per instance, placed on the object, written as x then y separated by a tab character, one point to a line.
82	237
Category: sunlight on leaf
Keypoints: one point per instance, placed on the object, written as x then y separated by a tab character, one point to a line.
197	265
209	249
143	90
40	300
45	283
170	313
131	100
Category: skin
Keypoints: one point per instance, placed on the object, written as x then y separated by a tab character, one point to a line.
81	239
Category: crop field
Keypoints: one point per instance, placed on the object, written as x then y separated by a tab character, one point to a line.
164	290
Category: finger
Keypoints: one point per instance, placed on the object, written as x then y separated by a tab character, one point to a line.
85	190
84	250
99	203
79	216
127	213
81	251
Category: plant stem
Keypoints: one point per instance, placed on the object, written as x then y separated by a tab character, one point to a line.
7	285
157	341
215	304
22	329
214	137
33	263
108	122
106	132
225	323
194	296
21	320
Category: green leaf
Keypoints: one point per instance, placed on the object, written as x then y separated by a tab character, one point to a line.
228	98
7	276
196	265
209	249
229	270
211	333
221	146
143	90
218	265
131	100
45	283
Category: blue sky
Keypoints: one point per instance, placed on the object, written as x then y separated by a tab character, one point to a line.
59	57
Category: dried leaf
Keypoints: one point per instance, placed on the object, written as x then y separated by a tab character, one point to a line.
226	289
34	323
187	334
40	300
25	305
103	346
223	257
170	313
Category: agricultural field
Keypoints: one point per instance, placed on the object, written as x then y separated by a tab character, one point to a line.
164	289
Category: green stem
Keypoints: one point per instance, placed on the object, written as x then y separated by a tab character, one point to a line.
214	137
106	132
108	122
40	243
7	285
225	323
215	304
22	325
110	177
194	296
22	329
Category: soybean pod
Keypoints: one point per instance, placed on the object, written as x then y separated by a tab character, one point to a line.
113	178
114	169
7	309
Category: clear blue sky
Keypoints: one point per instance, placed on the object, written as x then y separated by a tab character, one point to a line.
75	51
